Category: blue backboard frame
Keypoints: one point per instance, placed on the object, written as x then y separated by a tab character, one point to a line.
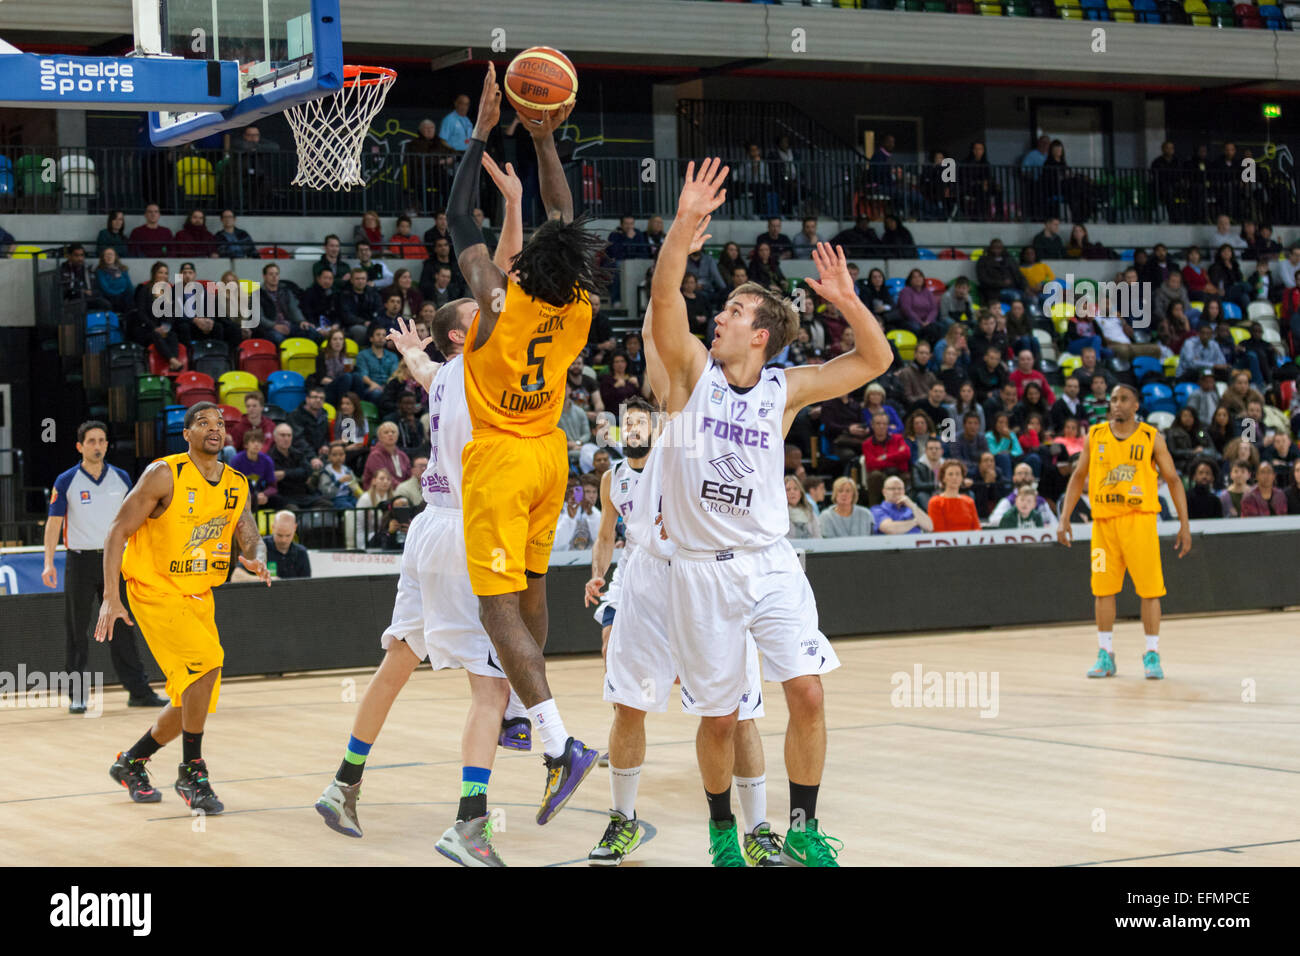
326	77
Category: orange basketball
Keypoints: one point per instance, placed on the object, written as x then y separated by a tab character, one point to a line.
539	80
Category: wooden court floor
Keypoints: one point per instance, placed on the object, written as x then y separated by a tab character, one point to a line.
1069	771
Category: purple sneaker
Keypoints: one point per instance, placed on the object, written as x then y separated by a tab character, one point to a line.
516	734
563	775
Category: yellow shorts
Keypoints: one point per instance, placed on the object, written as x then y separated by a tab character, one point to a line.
1128	542
181	631
512	491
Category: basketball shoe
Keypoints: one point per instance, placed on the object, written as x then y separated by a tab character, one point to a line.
469	843
132	775
516	734
724	846
193	787
810	847
763	847
622	836
1105	666
563	775
338	807
1151	666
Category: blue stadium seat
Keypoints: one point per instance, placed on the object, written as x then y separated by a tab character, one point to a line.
102	330
1232	311
895	285
171	425
1158	398
1184	391
1146	11
1144	365
286	389
1095	9
923	253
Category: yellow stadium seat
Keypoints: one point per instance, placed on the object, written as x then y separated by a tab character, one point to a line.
329	410
196	177
1171	366
1240	334
1069	364
975	254
27	252
1198	306
904	341
233	386
352	348
299	355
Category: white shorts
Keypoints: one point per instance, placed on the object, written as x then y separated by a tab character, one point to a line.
436	612
717	597
613	591
639	669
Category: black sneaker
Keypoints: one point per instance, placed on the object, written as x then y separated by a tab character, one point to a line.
132	775
193	787
77	707
151	699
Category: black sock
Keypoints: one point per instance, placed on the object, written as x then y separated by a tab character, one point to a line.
803	804
720	806
191	746
471	808
144	748
349	772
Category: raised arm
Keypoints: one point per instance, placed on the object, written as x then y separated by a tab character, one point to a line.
149	497
512	230
1073	490
252	549
1164	463
870	357
655	371
602	551
411	347
487	283
683	355
550	171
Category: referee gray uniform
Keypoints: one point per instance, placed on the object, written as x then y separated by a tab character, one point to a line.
88	507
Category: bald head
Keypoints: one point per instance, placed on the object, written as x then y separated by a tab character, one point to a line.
283	527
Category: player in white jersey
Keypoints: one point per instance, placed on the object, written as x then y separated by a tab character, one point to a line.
639	671
724	504
435	615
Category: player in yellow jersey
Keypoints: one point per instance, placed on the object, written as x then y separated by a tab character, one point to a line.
531	325
167	549
1120	464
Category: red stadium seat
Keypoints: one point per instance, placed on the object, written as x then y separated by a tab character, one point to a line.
232	416
192	387
937	286
274	252
158	361
953	254
259	358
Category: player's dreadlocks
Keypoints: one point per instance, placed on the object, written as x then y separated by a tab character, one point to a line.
560	261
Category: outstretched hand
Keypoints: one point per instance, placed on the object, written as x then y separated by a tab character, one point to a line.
552	120
701	237
510	185
703	192
405	335
489	105
835	284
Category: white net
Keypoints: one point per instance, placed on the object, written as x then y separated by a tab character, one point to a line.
329	131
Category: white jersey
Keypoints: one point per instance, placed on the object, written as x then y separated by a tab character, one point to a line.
647	502
450	430
724	462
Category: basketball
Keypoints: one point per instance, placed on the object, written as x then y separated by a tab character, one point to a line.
539	80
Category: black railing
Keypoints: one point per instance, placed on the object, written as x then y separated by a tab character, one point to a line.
95	180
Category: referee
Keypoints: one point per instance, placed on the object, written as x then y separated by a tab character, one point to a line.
88	497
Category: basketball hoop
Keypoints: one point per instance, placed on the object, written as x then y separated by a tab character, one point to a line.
328	131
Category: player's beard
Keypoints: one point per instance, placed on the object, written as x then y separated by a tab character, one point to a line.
635	451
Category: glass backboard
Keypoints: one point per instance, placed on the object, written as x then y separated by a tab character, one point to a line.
288	51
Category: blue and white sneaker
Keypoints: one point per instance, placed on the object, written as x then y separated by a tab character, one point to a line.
1105	666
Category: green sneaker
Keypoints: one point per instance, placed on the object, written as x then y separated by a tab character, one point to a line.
1105	666
723	845
622	836
810	847
1151	666
763	847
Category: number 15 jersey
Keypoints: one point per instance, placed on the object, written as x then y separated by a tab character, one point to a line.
515	383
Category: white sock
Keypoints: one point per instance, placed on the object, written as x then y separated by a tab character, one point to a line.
622	789
752	793
515	707
546	718
1153	642
1106	639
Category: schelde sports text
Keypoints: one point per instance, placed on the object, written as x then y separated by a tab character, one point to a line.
111	76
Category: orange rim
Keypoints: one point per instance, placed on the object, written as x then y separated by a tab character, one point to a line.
367	75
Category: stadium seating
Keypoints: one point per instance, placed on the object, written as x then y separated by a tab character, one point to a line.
196	177
1145	365
171	425
1157	397
286	388
259	358
299	355
895	285
1184	391
158	364
31	178
1231	311
102	330
1160	420
194	387
152	394
904	341
233	386
232	417
210	358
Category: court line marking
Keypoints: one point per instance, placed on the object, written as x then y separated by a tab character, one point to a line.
1121	750
1213	849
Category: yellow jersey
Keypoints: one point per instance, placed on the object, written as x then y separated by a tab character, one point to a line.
515	383
187	548
1122	473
